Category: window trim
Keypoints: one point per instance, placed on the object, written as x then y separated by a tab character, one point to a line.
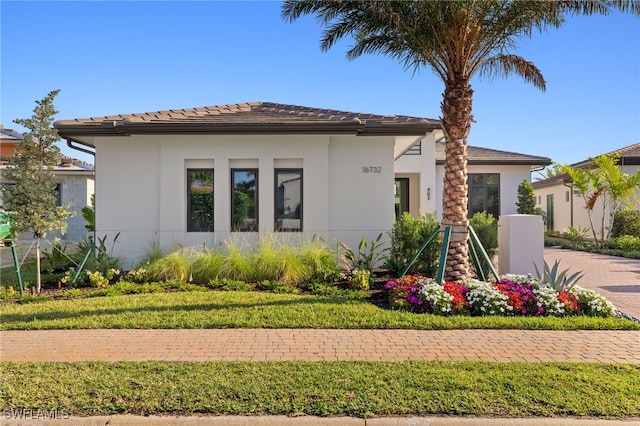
255	201
190	227
276	171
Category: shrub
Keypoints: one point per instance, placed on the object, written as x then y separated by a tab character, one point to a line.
526	198
626	222
407	235
486	228
625	242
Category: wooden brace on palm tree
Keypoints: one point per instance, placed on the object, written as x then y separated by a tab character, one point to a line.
474	244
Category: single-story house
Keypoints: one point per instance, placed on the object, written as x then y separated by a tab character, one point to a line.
565	208
74	184
198	176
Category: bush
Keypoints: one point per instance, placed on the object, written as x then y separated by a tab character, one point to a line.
407	235
486	228
626	222
625	242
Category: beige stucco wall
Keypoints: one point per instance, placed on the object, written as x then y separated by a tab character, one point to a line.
141	186
563	211
421	171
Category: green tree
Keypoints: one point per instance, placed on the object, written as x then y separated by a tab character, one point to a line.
607	187
457	39
31	201
526	198
552	171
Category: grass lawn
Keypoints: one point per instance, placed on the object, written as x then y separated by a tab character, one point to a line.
361	389
237	309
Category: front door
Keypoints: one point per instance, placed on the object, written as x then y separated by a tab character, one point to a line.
402	196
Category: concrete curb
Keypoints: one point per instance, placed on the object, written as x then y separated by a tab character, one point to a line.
130	420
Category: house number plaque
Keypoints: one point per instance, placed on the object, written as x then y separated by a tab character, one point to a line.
371	169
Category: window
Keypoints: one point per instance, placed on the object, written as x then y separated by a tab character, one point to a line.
199	200
58	194
484	193
402	196
567	196
244	205
550	213
288	200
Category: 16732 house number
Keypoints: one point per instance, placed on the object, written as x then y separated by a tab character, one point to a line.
371	169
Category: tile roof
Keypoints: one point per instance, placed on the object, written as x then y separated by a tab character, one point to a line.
629	155
252	117
66	162
477	155
9	135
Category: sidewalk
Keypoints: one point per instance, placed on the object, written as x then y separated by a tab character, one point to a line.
606	346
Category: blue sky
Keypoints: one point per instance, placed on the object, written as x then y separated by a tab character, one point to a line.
125	57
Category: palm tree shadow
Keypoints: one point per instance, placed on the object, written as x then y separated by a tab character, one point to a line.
304	303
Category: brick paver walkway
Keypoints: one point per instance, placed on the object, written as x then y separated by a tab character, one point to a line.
316	345
615	278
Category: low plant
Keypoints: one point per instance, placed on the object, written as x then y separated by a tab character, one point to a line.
360	279
513	295
56	259
206	266
100	280
173	266
577	236
556	279
7	293
367	256
276	287
230	285
332	290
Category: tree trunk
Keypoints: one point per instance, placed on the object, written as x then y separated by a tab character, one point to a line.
38	277
456	117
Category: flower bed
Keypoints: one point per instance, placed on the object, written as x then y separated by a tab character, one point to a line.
513	295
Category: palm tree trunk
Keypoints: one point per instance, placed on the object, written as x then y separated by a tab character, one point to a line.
456	117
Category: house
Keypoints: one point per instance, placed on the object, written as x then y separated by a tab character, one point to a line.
565	208
494	177
198	176
74	184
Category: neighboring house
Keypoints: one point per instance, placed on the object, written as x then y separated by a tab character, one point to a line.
564	208
74	184
198	176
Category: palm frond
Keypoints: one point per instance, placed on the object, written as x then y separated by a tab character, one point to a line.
505	65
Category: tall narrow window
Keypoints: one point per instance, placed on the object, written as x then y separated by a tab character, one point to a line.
244	205
484	193
199	200
288	200
58	194
402	197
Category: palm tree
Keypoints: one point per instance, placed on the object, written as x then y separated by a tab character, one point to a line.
457	39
